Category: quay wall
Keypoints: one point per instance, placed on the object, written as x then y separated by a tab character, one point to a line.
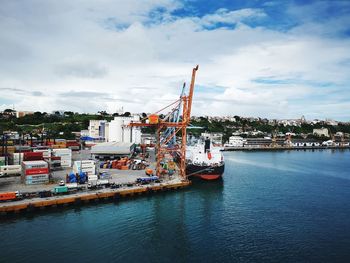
29	205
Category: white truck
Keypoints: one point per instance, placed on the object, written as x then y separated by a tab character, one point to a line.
8	170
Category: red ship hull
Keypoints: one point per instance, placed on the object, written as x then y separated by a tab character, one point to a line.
205	172
208	177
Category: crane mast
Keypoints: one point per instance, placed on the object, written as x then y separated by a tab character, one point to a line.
168	127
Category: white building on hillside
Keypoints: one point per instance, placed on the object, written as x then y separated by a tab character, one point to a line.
320	132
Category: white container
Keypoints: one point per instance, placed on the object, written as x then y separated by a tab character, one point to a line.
37	177
66	163
66	156
92	177
88	166
72	185
34	164
88	171
30	182
16	158
10	169
102	182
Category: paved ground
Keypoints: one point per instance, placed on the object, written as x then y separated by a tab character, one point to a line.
116	176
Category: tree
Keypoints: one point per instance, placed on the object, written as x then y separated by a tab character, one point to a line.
103	113
37	114
126	114
68	113
9	111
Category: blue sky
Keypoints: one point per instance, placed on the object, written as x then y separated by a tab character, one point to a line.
275	59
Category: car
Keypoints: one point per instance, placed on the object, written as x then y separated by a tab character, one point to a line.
62	183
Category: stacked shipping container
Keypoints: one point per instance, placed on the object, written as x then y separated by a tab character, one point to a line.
66	156
87	166
16	158
35	172
73	145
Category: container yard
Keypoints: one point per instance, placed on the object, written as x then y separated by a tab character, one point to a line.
40	187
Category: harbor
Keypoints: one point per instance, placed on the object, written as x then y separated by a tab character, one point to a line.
278	202
57	172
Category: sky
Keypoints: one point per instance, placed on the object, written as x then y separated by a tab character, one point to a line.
274	59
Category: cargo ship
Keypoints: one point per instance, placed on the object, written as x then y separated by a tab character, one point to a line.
204	160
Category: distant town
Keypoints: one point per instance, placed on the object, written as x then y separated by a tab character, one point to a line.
229	131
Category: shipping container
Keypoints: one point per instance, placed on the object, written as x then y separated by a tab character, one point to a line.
71	186
33	156
36	182
16	158
8	196
10	170
37	177
34	164
36	171
66	156
60	189
46	152
88	166
102	182
92	177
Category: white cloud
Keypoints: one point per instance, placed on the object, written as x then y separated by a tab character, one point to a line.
231	17
138	55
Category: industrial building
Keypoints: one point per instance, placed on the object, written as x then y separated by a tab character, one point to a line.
119	131
112	150
97	129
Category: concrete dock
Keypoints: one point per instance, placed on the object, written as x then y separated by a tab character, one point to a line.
28	205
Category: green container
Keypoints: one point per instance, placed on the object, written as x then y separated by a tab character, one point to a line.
61	189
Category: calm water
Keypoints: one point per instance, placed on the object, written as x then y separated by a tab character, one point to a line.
270	207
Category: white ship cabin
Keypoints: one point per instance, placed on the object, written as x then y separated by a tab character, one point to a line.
204	154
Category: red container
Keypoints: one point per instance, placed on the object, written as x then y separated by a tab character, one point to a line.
33	156
7	196
37	171
72	144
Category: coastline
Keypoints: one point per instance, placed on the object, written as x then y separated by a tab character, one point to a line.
281	148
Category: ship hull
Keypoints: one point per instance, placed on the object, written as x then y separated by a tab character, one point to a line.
205	172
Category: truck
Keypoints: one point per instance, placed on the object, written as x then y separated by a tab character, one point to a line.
98	183
147	180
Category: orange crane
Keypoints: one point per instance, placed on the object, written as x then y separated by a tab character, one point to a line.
162	124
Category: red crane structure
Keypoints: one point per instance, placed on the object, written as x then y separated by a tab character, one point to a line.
165	124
